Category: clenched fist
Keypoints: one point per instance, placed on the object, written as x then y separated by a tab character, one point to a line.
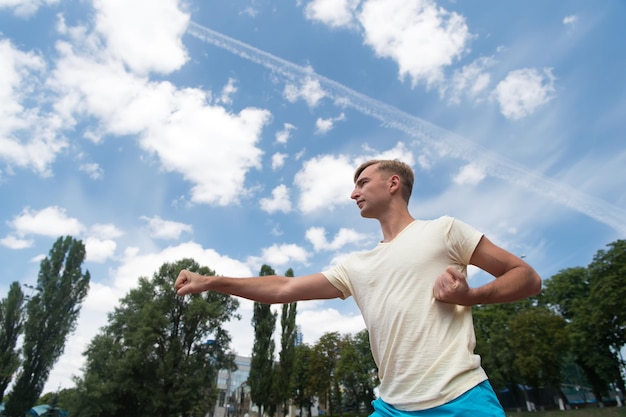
452	287
189	283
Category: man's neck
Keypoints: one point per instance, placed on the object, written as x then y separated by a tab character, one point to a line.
392	226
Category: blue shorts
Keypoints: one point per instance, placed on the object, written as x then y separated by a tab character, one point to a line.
478	402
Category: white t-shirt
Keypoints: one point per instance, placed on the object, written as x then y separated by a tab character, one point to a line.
424	349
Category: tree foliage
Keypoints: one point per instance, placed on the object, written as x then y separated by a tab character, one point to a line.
520	344
324	358
11	321
51	315
261	375
593	301
302	389
357	372
608	293
538	339
159	353
288	334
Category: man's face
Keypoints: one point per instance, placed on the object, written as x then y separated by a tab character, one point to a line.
371	192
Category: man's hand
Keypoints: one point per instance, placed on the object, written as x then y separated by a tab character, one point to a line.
452	287
189	283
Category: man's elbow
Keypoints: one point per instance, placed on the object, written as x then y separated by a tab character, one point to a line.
534	282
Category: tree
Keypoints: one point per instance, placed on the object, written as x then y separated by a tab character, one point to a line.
578	295
608	296
357	372
325	354
538	339
492	324
160	353
566	291
302	389
11	320
51	316
261	374
287	352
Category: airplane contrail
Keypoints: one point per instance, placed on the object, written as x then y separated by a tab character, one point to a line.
425	132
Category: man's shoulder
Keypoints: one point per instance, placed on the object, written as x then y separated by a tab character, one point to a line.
441	221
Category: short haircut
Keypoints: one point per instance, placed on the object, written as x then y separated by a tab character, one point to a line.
392	167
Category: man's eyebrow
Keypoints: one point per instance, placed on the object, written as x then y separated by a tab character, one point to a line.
360	180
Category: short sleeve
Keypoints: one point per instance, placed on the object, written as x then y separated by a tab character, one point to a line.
462	240
338	276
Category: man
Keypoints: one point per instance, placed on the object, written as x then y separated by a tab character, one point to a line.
413	293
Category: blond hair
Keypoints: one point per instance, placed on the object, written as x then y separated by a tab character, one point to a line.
391	167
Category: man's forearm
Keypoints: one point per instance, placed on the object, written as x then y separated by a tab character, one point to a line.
266	289
516	284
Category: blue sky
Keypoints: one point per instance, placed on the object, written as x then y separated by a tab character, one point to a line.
228	132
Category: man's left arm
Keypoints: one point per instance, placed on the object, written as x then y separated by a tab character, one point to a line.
515	279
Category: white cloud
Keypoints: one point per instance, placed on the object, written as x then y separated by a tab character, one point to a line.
98	250
400	151
166	229
227	92
279	201
425	160
470	80
136	264
93	170
326	125
278	160
324	182
420	36
105	231
470	174
317	237
570	20
28	137
50	221
310	90
334	13
191	143
26	8
177	125
315	323
523	91
282	136
323	125
249	11
144	34
13	242
279	255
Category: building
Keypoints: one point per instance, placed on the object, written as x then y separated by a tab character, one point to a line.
234	393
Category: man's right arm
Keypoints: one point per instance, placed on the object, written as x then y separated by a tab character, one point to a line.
271	289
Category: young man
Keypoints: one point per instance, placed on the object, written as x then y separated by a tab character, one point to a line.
413	293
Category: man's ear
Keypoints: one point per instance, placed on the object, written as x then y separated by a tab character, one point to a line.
394	183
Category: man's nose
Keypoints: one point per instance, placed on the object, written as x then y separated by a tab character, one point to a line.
355	194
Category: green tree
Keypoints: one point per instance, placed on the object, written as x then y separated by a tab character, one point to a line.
51	316
324	358
576	293
11	321
357	372
62	399
566	291
160	353
289	332
492	324
538	339
608	296
302	389
261	375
